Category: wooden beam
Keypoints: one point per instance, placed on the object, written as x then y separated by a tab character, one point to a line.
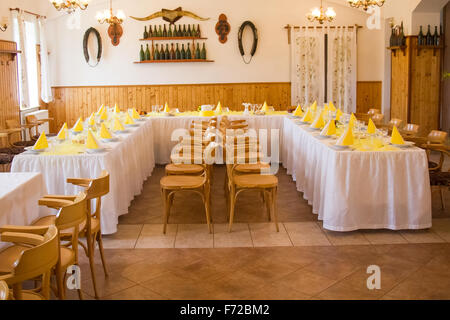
29	12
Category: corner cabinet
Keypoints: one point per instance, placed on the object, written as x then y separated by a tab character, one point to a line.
416	84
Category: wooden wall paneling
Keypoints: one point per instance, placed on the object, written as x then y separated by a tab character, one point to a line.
368	96
400	82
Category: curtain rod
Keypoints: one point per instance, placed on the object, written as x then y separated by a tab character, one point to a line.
289	28
32	13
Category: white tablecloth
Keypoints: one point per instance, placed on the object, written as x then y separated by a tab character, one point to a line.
19	195
129	162
164	126
352	190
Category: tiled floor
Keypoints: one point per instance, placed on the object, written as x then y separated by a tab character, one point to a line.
302	261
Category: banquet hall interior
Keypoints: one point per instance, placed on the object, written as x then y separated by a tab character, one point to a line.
236	150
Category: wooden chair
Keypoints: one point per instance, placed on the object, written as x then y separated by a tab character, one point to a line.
265	183
71	215
437	137
395	122
185	183
378	119
438	178
4	291
35	123
12	124
34	254
373	112
410	130
95	189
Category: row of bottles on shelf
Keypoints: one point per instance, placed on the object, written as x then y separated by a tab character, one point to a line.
429	39
159	32
398	37
174	53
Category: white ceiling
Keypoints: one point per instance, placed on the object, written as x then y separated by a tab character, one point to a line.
429	6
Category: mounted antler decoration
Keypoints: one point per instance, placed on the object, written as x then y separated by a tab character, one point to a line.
171	16
223	28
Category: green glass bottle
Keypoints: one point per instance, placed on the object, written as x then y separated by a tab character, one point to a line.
197	52
145	32
180	33
142	53
203	55
421	37
198	32
164	32
183	52
156	53
429	37
167	53
184	31
162	55
189	31
170	33
436	36
159	31
178	53
150	32
188	52
147	54
172	53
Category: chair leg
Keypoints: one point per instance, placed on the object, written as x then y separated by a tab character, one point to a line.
442	197
102	254
274	207
166	210
60	282
90	246
207	211
266	196
232	205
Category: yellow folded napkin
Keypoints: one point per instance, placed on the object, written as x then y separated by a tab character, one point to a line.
100	110
308	116
371	128
104	115
314	106
298	112
166	108
318	122
353	120
104	132
207	114
92	119
118	126
347	138
91	142
78	127
339	114
329	129
218	108
116	109
135	114
331	107
41	143
265	107
62	134
326	108
396	137
128	119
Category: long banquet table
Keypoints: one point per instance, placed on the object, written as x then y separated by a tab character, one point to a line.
351	190
19	195
129	161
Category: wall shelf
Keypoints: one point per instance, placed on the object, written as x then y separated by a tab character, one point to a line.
173	61
394	49
172	38
425	47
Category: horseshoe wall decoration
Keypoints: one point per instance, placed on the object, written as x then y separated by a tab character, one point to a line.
99	45
255	40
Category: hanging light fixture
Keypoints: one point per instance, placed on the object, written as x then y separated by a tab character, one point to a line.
70	6
115	30
365	4
321	15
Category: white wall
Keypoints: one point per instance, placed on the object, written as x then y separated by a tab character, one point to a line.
270	64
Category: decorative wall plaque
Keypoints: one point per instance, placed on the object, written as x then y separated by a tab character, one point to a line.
223	28
171	16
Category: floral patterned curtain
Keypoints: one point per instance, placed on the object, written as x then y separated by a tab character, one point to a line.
20	35
46	89
307	65
342	68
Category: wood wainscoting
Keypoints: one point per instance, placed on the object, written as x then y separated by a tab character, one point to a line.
73	102
368	96
9	85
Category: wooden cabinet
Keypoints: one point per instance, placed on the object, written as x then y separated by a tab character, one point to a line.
416	84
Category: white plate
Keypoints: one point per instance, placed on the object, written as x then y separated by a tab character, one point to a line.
110	140
121	131
141	119
132	125
99	150
408	144
341	148
320	137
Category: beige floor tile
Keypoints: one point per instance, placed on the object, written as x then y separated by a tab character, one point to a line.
306	234
193	236
152	236
442	228
239	237
383	237
135	293
277	291
309	283
421	236
266	235
125	237
346	238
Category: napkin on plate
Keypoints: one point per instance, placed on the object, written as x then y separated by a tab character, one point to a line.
347	138
104	115
104	132
352	121
78	127
135	114
91	142
118	126
298	112
314	106
128	119
116	109
92	119
331	107
265	107
329	129
308	116
41	143
166	108
62	134
396	137
339	113
218	108
318	122
100	110
371	128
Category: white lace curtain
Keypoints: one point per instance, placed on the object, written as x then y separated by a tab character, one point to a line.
342	68
46	89
307	65
20	35
308	71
